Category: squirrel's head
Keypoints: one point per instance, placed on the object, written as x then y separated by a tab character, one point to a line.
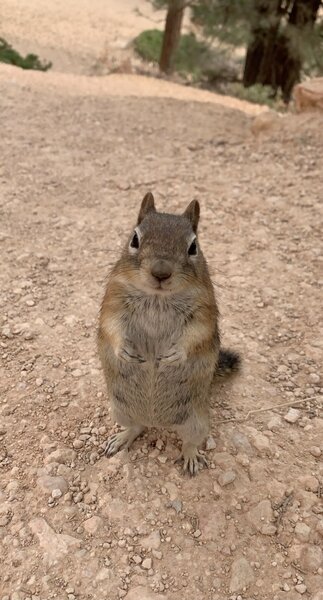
163	249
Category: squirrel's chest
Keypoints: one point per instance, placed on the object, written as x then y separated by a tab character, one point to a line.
152	325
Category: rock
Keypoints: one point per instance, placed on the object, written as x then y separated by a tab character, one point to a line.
268	529
261	518
260	442
314	378
302	532
137	559
176	505
310	483
274	423
319	527
142	593
56	494
93	524
308	95
77	444
293	415
147	563
49	484
315	451
151	541
159	444
264	123
226	478
77	373
172	490
210	443
241	443
61	456
217	490
311	558
242	459
301	588
78	497
241	575
55	546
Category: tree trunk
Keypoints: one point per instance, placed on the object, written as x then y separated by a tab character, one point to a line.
172	34
273	58
259	58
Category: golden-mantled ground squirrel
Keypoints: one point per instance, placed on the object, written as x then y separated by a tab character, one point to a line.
159	341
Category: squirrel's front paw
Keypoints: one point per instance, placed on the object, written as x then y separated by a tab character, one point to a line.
192	461
174	354
129	354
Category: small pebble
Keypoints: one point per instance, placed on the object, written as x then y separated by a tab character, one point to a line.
56	493
301	588
315	451
210	443
314	378
77	444
292	416
226	478
78	497
147	563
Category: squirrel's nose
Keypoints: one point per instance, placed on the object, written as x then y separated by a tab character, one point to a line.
161	269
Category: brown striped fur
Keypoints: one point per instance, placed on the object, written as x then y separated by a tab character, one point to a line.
159	340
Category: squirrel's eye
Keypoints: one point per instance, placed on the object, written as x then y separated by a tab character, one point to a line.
135	241
192	250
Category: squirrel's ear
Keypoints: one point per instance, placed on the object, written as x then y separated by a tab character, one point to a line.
192	213
147	206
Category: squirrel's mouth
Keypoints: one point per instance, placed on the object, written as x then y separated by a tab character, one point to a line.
160	286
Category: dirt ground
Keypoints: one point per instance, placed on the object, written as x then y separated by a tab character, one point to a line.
76	160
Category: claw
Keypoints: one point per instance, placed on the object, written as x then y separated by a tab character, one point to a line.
114	444
123	439
192	463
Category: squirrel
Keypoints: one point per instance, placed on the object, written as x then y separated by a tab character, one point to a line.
158	337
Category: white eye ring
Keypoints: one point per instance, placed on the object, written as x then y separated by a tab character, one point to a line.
134	243
192	250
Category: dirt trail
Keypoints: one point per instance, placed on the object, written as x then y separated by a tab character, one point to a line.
77	156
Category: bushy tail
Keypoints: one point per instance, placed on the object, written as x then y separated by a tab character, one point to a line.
229	362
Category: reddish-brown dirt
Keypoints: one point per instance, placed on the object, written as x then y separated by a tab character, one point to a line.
76	159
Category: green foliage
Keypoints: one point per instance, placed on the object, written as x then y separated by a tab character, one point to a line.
158	4
190	56
226	20
311	47
257	94
148	44
12	57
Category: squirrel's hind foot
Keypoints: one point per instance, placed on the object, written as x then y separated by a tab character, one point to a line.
123	439
192	461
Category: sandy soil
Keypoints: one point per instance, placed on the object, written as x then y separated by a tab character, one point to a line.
77	155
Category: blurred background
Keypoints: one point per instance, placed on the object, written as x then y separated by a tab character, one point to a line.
254	50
